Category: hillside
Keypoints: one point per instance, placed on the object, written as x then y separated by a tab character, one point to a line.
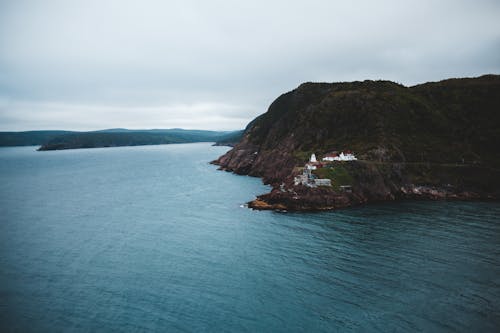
28	138
124	137
439	135
55	140
230	139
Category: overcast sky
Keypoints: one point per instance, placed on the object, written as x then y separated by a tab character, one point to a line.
95	64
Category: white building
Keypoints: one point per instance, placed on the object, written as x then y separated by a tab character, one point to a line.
341	157
311	166
301	180
313	158
308	179
323	182
305	178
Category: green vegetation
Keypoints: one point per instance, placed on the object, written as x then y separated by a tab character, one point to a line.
482	177
336	173
302	156
29	138
230	139
438	133
109	139
54	140
444	122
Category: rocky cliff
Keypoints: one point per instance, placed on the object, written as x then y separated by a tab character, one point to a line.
435	140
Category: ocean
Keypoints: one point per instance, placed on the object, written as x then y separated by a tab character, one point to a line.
154	238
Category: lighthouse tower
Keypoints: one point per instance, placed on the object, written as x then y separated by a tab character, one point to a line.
313	158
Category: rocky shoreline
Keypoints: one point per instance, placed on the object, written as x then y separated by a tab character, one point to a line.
322	199
370	184
434	141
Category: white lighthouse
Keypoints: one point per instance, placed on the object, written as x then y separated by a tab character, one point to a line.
313	158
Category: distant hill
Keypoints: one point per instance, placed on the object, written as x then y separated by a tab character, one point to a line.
123	137
230	139
55	140
435	134
28	138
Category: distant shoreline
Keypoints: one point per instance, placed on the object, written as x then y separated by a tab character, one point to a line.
62	140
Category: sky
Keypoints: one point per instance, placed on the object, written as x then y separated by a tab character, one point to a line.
95	64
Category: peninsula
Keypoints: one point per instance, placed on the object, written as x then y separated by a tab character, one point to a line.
115	137
332	145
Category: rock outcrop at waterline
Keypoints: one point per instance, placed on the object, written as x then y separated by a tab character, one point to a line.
434	141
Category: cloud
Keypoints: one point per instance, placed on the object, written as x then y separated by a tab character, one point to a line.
97	64
89	117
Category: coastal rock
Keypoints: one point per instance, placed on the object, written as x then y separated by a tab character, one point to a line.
433	141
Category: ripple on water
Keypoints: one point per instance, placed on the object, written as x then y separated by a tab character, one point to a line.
155	239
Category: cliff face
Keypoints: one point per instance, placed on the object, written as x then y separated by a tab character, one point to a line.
437	137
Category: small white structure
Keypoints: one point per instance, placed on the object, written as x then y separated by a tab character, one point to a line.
341	157
308	179
301	180
311	166
305	178
346	188
323	182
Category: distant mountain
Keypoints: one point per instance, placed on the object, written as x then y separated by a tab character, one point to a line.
124	137
438	139
28	138
55	140
230	139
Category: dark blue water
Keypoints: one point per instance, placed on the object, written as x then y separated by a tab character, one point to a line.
153	238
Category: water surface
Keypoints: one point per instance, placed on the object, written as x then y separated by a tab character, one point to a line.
153	238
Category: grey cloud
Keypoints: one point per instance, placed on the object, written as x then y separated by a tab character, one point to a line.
217	64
